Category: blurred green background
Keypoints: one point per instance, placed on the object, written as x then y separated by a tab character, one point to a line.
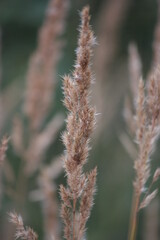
20	21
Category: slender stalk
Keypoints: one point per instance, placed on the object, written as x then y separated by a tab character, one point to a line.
74	218
133	220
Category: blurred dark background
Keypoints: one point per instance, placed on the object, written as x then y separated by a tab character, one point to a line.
19	22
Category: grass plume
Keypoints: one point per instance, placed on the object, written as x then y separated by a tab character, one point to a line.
147	130
42	68
80	124
23	233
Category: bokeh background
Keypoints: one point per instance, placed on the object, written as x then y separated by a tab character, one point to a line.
116	24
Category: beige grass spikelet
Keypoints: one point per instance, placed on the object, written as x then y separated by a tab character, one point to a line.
3	148
41	80
86	202
147	120
42	68
23	233
80	124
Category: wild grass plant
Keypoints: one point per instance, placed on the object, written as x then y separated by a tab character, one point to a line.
142	115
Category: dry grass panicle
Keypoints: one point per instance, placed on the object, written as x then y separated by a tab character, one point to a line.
147	125
42	68
80	124
41	81
24	233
